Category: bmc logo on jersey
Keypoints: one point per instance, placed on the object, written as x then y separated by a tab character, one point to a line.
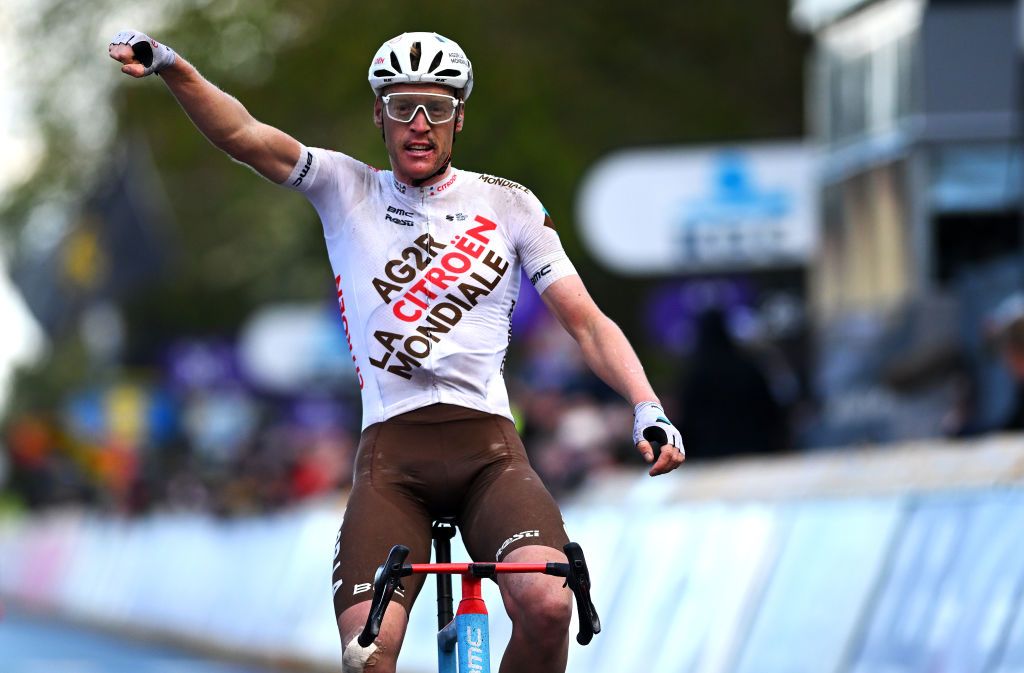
403	216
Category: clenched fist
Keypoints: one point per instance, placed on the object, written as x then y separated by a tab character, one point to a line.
140	54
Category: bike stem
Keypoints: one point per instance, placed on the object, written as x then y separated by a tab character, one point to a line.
472	602
442	532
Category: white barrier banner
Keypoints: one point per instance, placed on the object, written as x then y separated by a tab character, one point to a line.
673	211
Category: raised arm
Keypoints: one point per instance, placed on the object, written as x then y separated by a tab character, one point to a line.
608	353
219	116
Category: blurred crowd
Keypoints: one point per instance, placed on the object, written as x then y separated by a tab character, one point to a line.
198	435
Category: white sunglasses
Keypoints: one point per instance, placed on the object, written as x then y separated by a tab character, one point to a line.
439	108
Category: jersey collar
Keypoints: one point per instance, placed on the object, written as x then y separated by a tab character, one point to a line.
451	180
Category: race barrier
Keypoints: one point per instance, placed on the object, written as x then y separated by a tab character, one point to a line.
896	559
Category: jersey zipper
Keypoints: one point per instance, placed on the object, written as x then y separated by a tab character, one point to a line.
430	233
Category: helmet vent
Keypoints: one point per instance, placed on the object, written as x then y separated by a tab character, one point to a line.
383	73
436	62
447	72
394	63
414	55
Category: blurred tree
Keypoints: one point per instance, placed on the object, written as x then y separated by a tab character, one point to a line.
558	85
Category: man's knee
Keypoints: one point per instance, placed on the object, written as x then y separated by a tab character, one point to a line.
542	607
538	604
380	656
358	659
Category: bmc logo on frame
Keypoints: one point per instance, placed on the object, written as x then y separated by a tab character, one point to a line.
475	652
514	538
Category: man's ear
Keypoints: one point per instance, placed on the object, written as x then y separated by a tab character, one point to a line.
459	120
378	112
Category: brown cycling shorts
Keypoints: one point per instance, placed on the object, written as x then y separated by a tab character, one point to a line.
440	460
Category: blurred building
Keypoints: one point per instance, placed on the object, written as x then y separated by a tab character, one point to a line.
916	106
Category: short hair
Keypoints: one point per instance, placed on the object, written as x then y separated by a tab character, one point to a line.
414	55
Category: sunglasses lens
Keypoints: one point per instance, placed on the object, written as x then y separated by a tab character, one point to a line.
403	107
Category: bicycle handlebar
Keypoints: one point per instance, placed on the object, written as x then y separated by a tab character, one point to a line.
389	577
579	582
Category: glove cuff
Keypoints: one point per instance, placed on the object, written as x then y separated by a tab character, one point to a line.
644	405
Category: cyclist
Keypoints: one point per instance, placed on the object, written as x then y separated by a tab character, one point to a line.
426	260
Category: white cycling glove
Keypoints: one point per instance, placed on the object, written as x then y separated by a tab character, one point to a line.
150	53
650	423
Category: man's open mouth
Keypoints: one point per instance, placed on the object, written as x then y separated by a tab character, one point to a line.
419	148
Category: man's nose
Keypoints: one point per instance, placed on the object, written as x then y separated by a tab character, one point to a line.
419	121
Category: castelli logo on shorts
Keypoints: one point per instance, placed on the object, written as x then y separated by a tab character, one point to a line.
514	538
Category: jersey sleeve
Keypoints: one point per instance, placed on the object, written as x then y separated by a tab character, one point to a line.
539	247
332	182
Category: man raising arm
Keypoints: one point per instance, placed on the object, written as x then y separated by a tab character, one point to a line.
427	263
219	116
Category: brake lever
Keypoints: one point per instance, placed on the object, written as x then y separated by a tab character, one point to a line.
385	581
579	581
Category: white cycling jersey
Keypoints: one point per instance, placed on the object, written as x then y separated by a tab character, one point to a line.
428	277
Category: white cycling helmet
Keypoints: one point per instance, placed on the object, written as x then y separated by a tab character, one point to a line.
439	61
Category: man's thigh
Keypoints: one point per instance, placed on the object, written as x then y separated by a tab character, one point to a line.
508	507
374	522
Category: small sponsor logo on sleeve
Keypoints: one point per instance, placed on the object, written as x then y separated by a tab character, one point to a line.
541	272
305	169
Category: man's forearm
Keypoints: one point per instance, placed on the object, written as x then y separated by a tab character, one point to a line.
228	125
218	115
607	352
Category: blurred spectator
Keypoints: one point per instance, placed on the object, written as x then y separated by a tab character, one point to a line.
727	402
1009	332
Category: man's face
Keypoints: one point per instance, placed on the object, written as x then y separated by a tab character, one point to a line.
418	148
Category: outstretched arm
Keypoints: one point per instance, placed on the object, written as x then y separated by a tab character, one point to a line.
608	353
219	116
